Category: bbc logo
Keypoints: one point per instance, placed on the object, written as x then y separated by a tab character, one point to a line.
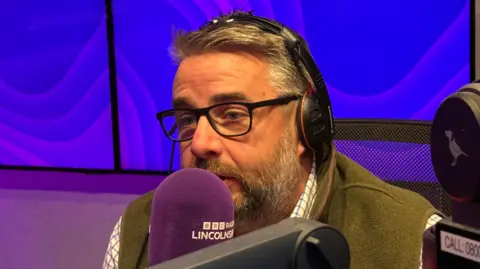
216	226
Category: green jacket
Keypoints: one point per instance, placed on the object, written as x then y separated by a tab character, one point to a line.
382	223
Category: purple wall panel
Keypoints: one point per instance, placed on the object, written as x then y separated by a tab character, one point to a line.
58	220
56	230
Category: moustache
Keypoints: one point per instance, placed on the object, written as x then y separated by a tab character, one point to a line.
218	168
257	194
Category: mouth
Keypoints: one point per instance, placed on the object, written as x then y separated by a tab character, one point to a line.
226	177
231	182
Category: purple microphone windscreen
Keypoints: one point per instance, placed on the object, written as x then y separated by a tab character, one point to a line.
191	209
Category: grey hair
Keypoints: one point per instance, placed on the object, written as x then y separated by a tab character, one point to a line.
233	37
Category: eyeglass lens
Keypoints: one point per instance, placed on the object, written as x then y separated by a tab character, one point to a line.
226	119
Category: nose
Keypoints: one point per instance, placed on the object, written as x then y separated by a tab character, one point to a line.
206	142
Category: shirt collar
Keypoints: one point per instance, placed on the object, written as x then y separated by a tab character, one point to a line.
304	205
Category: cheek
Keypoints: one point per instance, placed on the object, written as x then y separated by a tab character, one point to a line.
185	154
250	153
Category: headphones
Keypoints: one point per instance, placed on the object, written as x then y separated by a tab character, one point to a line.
472	87
314	113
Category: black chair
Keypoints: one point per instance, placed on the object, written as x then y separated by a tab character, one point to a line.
397	151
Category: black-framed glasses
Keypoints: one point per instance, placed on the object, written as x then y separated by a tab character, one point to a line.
227	119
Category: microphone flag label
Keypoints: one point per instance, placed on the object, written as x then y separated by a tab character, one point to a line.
214	231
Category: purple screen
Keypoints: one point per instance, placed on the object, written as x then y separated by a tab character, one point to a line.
54	85
381	59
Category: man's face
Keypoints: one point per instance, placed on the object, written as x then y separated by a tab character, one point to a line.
261	168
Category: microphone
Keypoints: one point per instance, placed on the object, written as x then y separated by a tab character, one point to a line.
454	242
191	209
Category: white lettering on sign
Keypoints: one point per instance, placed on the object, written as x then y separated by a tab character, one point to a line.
214	231
460	246
210	235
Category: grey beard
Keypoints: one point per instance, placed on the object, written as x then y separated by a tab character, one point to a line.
268	188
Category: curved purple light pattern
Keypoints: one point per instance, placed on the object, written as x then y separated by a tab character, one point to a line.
54	85
380	59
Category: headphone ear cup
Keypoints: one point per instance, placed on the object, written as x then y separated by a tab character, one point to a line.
300	126
313	129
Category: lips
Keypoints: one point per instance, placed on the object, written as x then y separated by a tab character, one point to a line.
231	182
224	177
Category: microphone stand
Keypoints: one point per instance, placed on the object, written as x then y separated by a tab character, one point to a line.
170	167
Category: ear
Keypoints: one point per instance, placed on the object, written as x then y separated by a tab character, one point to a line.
301	150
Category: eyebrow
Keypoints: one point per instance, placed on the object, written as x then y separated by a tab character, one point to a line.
184	102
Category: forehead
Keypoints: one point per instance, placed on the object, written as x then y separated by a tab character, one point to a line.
201	78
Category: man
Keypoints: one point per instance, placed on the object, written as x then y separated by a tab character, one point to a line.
254	147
